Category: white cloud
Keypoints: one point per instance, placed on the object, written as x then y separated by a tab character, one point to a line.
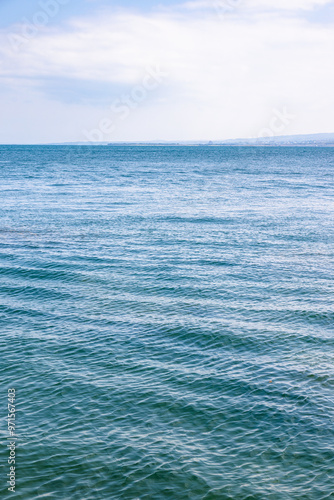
225	77
230	5
287	4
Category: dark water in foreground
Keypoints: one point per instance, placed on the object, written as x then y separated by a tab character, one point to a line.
167	322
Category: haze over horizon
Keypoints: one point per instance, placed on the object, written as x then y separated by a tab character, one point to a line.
198	70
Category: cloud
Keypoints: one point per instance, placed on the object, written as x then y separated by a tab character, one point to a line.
230	5
287	4
225	76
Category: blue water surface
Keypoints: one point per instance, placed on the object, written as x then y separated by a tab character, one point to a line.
167	322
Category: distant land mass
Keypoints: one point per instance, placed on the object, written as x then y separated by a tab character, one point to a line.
315	140
285	140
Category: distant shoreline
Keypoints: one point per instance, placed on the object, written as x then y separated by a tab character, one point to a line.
224	145
175	144
321	140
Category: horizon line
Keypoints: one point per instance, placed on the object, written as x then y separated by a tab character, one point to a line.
315	137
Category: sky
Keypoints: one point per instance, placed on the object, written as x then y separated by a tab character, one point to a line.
97	70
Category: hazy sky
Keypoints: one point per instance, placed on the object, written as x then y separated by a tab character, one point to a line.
84	70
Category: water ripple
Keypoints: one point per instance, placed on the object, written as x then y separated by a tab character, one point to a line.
167	321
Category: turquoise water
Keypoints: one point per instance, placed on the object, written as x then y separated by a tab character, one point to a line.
167	322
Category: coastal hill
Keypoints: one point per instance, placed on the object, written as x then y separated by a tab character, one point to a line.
285	140
315	140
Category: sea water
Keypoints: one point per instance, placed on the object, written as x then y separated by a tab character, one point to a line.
167	322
